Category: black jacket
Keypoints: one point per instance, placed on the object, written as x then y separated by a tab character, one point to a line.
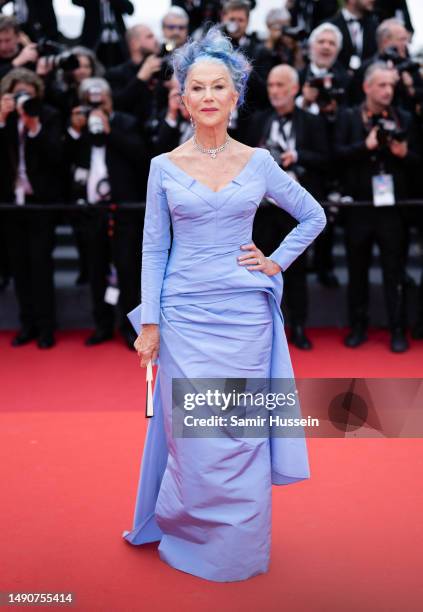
311	144
360	164
126	158
41	22
43	158
312	13
91	28
370	25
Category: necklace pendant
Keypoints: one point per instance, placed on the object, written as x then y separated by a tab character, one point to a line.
213	155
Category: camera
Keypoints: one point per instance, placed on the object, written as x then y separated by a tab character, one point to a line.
276	151
387	131
58	55
165	71
229	27
400	63
327	92
29	105
296	33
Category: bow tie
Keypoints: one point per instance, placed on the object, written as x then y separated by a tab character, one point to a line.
285	118
355	20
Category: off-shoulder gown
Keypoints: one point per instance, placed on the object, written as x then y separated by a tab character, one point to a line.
208	500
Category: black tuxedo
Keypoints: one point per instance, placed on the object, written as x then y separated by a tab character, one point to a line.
369	24
383	224
127	165
92	28
43	158
312	12
132	95
385	9
311	143
341	78
41	21
30	235
271	223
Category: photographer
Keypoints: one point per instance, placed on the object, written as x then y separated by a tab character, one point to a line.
108	164
31	154
325	82
200	11
104	29
16	51
326	88
357	24
386	9
134	83
392	42
376	144
175	127
282	46
63	74
308	14
297	141
35	17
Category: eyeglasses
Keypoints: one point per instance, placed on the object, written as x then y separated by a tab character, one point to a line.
174	26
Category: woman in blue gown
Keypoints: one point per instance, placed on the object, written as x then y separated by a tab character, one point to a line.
211	309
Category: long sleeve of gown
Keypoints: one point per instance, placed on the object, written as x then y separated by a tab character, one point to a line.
300	204
155	246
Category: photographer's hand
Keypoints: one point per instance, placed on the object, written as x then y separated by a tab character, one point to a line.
150	66
399	149
7	106
28	55
78	119
288	158
32	124
104	117
371	140
310	94
408	83
44	66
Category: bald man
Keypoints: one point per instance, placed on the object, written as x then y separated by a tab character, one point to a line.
130	82
297	141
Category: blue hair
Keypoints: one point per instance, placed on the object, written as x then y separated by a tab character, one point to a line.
213	46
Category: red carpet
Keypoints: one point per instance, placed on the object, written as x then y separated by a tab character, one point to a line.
72	428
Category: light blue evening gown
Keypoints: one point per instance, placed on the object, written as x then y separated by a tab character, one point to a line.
208	500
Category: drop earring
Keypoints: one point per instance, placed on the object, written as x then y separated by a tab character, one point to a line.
192	121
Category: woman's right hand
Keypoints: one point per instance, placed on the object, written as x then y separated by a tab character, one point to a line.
147	344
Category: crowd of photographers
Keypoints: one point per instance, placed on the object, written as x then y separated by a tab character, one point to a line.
334	96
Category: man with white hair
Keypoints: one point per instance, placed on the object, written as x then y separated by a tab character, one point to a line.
376	144
323	73
297	141
358	24
175	24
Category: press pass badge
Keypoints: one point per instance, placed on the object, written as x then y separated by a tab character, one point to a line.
111	295
383	190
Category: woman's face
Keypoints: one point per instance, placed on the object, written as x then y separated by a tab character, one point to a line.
210	95
84	71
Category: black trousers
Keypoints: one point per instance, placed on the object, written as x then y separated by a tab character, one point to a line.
271	225
364	226
124	250
30	243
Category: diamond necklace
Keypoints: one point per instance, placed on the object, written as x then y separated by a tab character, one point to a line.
211	152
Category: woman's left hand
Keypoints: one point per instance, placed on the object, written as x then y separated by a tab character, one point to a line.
256	260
